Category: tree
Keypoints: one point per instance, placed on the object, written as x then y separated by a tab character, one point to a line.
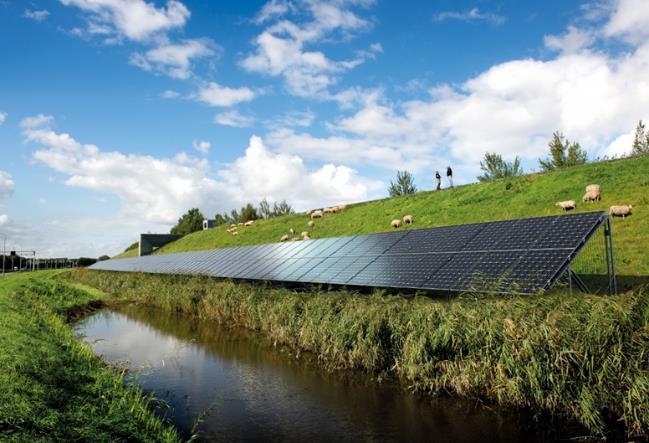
640	141
282	208
191	221
220	220
563	154
405	184
495	167
103	258
264	209
247	213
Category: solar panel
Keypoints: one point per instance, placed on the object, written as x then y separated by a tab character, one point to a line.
523	255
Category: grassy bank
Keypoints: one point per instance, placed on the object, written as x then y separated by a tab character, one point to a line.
583	357
623	182
53	387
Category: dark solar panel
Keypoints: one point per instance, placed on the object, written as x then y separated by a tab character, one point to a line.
523	255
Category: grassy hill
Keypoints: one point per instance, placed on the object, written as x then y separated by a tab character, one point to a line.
623	181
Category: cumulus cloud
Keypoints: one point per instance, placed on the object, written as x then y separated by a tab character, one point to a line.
202	146
574	40
37	15
174	59
234	119
36	121
3	117
7	185
153	192
471	15
281	48
4	219
136	20
629	21
170	94
214	94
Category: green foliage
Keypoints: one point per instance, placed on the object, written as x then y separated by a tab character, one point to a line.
404	184
133	246
191	221
563	154
52	386
220	220
495	168
640	141
583	357
103	258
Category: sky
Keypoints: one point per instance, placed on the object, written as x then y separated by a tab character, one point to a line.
116	116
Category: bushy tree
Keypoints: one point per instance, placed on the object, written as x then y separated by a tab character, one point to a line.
247	213
640	141
404	184
494	167
220	219
563	153
278	209
191	221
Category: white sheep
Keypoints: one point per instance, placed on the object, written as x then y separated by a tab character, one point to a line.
591	196
284	237
316	214
308	213
304	233
341	207
311	224
233	225
328	210
249	223
396	223
235	233
407	219
292	231
620	210
593	188
306	237
567	205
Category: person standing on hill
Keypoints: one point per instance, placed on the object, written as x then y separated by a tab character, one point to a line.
449	176
438	179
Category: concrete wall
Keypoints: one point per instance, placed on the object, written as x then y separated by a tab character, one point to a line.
150	241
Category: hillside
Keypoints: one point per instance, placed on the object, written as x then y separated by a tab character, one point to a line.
624	181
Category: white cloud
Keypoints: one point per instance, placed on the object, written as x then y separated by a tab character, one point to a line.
234	119
280	49
216	95
134	19
36	121
202	146
574	40
7	185
37	15
170	94
630	21
174	60
271	10
292	119
4	219
3	117
471	15
154	192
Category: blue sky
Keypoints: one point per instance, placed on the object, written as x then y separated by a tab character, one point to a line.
118	115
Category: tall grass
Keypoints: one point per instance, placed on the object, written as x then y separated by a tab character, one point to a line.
582	357
53	387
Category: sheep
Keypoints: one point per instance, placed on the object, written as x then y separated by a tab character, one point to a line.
240	223
407	219
591	196
304	233
396	223
308	213
233	225
316	214
284	237
620	210
235	233
311	224
249	223
567	205
292	231
341	207
328	210
593	188
306	237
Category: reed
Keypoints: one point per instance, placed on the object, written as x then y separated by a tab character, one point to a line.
584	357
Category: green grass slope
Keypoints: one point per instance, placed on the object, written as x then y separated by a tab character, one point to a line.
623	181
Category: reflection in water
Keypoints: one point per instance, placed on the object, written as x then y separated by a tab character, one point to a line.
260	392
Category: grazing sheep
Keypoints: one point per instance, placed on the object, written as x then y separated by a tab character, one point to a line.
407	219
233	225
304	233
316	214
341	208
284	237
308	213
591	196
396	223
328	210
248	223
306	237
240	223
593	188
620	210
311	224
235	233
567	205
292	231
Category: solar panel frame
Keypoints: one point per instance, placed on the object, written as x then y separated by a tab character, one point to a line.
524	254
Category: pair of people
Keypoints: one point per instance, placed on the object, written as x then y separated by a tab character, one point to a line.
449	177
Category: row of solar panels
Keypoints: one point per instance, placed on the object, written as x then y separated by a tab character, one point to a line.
529	253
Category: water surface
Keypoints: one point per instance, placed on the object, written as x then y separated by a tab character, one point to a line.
254	391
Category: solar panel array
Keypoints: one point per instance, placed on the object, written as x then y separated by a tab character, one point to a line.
523	255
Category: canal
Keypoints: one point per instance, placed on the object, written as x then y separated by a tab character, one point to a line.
246	389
